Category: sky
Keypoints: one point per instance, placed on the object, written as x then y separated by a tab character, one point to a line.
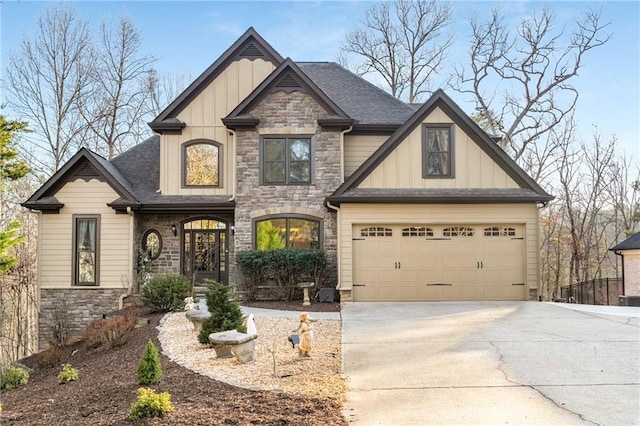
187	36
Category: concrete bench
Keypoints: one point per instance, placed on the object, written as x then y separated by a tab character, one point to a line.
233	343
197	317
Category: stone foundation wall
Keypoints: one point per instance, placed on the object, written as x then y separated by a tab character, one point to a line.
72	309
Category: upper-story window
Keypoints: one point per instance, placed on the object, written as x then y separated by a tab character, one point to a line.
437	152
286	161
201	163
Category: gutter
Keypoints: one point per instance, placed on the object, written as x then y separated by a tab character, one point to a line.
619	253
342	133
339	243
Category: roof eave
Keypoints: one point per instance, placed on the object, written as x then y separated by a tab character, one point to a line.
341	199
184	208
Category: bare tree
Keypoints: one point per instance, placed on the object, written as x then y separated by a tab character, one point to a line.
404	42
163	89
583	178
533	68
46	79
118	100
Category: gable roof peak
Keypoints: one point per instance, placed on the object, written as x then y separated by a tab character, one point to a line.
249	45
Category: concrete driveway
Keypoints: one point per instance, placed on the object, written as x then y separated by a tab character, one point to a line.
490	363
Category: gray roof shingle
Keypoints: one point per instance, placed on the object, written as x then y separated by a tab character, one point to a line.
361	100
631	243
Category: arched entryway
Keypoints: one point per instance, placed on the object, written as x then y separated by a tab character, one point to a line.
205	249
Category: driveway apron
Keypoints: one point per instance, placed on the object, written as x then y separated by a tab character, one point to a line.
490	363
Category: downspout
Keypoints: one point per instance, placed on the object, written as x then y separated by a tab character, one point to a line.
233	166
339	243
131	245
618	253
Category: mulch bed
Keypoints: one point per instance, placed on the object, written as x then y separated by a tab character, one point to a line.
107	386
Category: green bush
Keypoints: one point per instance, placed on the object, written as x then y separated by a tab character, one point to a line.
225	311
68	374
149	367
13	377
285	267
150	404
166	293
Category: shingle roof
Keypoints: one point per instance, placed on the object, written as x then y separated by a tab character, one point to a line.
361	100
631	243
437	196
141	166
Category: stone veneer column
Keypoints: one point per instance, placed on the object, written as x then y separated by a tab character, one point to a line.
288	115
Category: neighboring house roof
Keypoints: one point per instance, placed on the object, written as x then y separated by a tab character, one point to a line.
530	191
287	77
86	165
250	45
631	243
367	104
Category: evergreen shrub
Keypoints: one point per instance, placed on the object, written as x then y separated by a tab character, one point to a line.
68	374
165	293
225	311
150	404
149	368
13	377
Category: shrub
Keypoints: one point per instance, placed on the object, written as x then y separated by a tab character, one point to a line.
225	311
68	374
13	377
149	367
166	292
112	331
286	267
150	404
51	356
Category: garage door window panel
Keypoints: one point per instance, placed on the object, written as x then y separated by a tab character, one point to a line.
458	231
376	231
499	231
417	231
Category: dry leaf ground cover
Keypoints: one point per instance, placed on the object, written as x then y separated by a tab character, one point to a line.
107	387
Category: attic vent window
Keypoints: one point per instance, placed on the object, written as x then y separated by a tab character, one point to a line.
87	171
251	51
288	81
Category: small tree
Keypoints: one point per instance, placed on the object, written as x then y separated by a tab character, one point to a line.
149	367
225	311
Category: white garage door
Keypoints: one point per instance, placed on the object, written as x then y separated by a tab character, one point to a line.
438	262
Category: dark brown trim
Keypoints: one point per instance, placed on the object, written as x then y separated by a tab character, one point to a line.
374	129
451	153
43	207
445	199
74	277
67	172
337	123
235	51
287	69
186	207
287	167
171	126
247	123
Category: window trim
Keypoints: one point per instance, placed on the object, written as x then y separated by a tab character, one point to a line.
183	167
286	217
143	243
287	161
451	163
74	266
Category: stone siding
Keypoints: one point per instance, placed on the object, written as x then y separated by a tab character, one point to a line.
73	309
283	114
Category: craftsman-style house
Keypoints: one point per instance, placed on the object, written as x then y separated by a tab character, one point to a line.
408	202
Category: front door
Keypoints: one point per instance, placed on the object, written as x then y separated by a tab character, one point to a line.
205	251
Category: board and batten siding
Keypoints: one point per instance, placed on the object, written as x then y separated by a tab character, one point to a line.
203	118
358	148
56	237
441	214
472	167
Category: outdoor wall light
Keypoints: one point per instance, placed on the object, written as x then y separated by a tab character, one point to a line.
233	230
174	229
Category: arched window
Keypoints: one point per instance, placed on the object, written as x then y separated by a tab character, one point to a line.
293	231
201	163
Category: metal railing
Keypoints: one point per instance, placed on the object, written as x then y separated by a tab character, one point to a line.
602	291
